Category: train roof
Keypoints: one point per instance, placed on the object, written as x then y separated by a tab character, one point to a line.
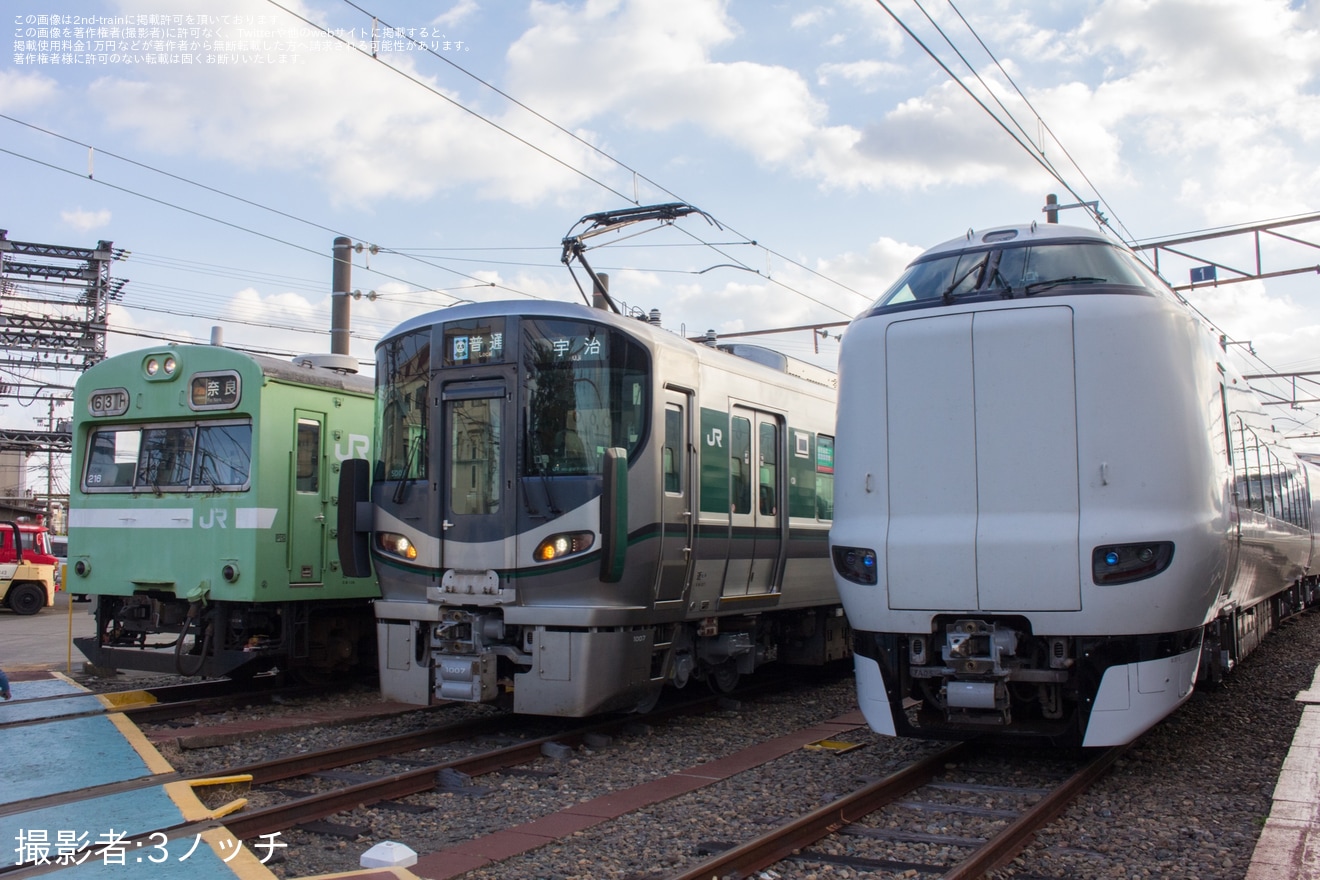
759	355
1018	235
301	373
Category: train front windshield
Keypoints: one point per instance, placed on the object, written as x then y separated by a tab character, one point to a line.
582	388
584	391
1013	271
178	457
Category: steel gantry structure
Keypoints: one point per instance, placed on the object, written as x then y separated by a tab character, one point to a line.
54	313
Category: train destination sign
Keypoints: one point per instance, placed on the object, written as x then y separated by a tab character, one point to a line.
214	390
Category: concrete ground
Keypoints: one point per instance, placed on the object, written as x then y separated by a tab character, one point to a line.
45	639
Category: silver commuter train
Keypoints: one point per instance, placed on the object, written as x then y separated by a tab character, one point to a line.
571	508
1059	502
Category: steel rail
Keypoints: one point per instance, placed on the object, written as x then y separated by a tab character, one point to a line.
1005	846
783	841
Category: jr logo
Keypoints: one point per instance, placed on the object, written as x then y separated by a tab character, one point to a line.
214	519
358	447
715	437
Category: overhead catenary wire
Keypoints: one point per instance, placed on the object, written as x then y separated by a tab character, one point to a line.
202	215
1036	153
592	147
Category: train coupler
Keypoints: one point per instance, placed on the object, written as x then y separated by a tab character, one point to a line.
468	679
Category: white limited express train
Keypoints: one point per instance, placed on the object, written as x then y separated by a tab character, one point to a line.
1058	502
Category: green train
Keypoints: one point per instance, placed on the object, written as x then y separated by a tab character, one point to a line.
202	509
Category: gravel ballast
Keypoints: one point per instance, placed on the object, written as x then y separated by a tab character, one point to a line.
1187	801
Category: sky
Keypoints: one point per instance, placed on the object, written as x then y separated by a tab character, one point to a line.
225	144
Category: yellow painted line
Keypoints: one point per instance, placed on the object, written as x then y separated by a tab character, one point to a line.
232	807
55	673
184	795
155	762
221	780
126	699
192	809
836	746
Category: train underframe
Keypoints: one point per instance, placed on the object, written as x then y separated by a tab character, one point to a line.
992	677
157	632
474	655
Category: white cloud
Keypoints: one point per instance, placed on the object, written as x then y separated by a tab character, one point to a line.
460	12
86	221
23	90
865	75
367	132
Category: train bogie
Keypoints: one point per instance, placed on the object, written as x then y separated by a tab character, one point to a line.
1059	500
200	513
571	509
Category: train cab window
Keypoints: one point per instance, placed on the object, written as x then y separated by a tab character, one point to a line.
307	477
166	460
112	459
1018	270
403	370
180	458
224	455
585	389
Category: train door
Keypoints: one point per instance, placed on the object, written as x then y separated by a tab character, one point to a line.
307	508
676	519
477	513
756	511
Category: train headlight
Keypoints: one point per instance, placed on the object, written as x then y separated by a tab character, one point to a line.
856	564
229	572
567	544
396	545
1125	563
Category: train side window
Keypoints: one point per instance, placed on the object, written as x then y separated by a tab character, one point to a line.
824	477
673	450
309	456
740	465
768	479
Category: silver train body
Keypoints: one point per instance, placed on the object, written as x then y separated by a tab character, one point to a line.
571	509
1056	501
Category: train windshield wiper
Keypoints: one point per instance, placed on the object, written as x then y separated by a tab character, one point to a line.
1038	286
948	291
406	478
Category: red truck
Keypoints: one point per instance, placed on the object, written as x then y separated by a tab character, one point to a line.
27	578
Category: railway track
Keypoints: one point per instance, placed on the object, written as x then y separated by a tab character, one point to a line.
884	826
326	766
939	783
166	702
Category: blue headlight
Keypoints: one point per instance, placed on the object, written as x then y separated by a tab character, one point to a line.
1125	563
857	564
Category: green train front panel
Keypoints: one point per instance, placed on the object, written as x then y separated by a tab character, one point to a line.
137	525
